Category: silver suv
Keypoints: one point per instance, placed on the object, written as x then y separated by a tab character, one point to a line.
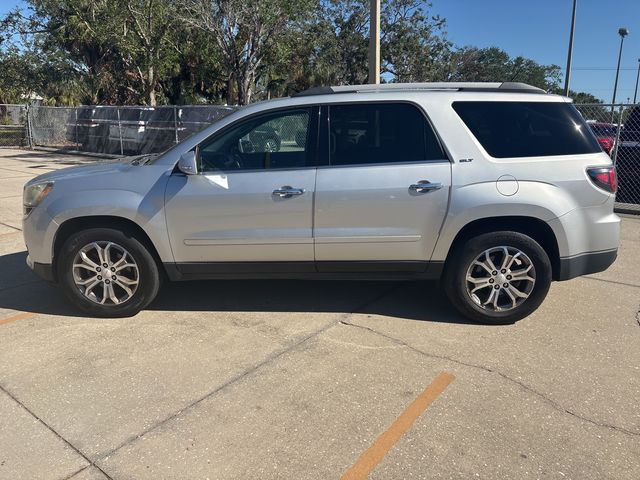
495	189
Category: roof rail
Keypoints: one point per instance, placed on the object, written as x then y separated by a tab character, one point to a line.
504	87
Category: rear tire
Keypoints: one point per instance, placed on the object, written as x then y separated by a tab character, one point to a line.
128	283
498	278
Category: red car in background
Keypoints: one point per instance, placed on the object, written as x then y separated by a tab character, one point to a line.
605	134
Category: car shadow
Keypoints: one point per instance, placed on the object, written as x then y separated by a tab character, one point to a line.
22	290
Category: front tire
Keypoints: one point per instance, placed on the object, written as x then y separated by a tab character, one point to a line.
498	278
271	145
107	272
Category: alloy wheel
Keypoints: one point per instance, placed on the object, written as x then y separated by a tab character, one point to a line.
106	273
500	279
271	146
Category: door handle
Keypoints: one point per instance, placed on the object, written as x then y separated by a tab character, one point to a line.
287	192
425	186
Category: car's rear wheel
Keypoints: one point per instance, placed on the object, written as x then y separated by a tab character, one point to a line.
107	272
498	278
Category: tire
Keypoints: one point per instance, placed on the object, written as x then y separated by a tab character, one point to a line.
505	306
130	264
271	144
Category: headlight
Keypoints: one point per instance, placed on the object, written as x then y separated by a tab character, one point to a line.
34	194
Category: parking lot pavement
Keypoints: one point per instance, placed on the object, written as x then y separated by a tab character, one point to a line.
286	379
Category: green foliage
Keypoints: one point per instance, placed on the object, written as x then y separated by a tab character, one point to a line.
16	72
413	45
245	32
213	51
471	64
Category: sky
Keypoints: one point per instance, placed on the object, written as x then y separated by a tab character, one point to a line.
539	29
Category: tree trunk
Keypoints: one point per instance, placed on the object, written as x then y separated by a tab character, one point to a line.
241	91
245	87
230	96
152	88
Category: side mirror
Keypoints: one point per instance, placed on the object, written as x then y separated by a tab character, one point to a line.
188	164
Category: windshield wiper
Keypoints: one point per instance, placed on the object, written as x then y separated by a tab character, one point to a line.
144	159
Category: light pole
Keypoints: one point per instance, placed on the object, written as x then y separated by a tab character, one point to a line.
637	78
374	43
623	32
567	75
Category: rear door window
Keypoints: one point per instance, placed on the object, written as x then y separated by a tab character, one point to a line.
367	133
527	129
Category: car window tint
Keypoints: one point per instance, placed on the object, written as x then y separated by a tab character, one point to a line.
633	120
527	129
380	133
266	142
630	131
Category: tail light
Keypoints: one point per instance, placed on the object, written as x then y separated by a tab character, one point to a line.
604	177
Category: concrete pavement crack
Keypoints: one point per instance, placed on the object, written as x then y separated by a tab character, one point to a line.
11	226
78	472
555	405
633	285
52	430
245	373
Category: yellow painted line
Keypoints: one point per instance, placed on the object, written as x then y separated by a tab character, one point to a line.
371	457
15	318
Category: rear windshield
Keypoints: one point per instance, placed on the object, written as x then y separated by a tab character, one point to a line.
527	129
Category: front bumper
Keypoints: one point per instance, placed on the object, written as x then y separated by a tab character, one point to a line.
586	263
39	229
43	270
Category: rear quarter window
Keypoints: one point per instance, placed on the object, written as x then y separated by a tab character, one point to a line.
527	129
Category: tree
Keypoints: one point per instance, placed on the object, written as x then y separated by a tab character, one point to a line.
125	45
413	44
331	48
203	51
472	64
146	43
579	97
588	105
16	76
244	32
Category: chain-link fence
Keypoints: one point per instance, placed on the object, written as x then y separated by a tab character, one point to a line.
118	130
617	128
132	130
13	126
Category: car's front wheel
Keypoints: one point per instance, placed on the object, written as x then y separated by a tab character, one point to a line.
271	145
107	272
498	278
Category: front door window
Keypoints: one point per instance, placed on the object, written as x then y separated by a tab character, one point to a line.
273	141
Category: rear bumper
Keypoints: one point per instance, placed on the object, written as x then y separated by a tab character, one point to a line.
586	263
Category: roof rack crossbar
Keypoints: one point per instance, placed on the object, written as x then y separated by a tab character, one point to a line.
504	87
